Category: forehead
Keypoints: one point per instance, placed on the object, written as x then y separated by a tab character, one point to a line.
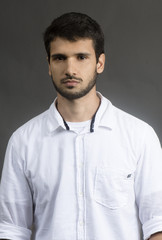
61	45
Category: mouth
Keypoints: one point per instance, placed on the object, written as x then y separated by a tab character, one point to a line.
71	82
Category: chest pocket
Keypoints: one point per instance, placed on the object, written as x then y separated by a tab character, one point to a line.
112	187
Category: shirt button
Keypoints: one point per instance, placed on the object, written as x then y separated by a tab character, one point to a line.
81	223
80	165
81	194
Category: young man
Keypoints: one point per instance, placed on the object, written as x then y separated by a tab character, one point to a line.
82	170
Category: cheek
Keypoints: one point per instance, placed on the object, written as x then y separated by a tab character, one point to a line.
88	68
54	71
91	71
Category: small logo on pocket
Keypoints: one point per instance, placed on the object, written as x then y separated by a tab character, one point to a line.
129	175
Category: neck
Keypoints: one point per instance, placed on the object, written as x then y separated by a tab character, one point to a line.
78	110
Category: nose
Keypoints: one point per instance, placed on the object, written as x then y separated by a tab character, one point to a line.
70	68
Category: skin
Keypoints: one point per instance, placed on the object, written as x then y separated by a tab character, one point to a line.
77	59
156	236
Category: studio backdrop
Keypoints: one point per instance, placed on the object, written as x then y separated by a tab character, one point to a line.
132	79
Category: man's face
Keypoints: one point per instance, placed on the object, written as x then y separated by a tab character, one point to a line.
73	67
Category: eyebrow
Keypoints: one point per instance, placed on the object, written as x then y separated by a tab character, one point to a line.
83	53
76	54
58	55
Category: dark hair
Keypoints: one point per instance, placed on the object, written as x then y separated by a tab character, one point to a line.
73	26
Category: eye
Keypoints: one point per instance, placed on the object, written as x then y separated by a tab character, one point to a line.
59	58
82	57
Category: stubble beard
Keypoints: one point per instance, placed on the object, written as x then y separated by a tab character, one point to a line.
71	95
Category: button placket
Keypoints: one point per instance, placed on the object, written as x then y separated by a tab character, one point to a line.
80	186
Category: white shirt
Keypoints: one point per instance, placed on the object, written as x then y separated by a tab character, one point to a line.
82	185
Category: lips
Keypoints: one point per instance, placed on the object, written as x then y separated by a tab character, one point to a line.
71	79
70	82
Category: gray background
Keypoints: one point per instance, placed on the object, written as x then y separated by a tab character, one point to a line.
133	73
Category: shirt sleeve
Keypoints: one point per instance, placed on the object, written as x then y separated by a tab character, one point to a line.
148	184
16	208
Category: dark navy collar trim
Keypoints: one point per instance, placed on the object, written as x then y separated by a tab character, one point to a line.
91	125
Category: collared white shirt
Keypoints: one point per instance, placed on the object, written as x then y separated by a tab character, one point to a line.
82	185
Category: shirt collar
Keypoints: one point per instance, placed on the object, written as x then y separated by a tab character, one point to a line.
54	120
104	116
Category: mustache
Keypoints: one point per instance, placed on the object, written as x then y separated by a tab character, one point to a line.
70	77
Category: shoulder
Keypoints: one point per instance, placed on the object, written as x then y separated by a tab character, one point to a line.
32	128
125	117
120	120
133	127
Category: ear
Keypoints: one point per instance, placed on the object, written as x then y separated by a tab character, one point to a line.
101	63
49	67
